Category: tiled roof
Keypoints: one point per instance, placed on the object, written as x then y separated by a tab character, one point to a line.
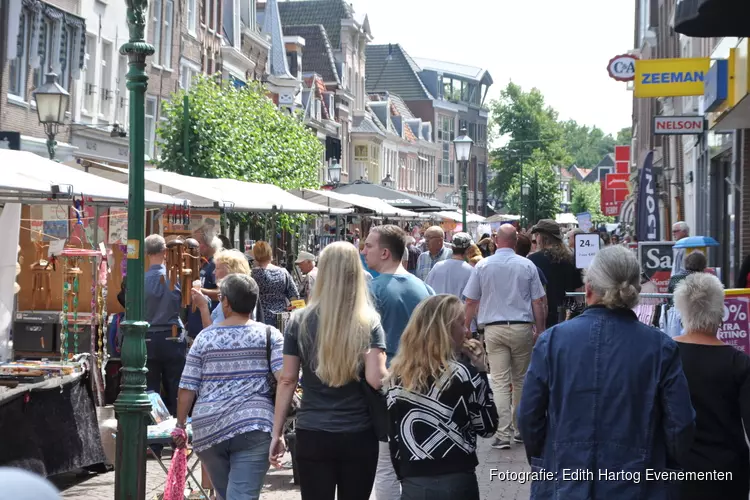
565	174
327	13
317	54
398	74
583	172
277	54
365	125
460	70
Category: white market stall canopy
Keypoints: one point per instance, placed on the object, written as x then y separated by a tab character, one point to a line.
567	218
24	172
341	200
228	194
455	216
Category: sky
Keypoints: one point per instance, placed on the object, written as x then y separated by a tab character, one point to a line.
560	47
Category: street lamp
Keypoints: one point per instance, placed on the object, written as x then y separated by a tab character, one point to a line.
133	404
388	182
334	172
463	143
525	189
51	105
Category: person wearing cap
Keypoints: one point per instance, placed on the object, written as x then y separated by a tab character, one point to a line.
450	276
306	263
556	262
436	251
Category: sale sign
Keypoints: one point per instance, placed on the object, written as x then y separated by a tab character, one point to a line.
656	262
735	329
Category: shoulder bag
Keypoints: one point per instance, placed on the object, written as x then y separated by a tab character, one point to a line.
376	406
272	382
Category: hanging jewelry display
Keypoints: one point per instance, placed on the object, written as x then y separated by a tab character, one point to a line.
76	326
94	310
65	330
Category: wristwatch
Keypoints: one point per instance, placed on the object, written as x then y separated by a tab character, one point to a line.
180	425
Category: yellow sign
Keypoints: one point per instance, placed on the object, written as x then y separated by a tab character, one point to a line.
134	247
670	77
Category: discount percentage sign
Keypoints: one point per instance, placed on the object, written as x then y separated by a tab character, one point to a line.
737	313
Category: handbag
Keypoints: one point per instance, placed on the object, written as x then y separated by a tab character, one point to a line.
273	383
377	407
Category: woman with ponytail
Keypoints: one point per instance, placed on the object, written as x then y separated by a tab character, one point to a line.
606	394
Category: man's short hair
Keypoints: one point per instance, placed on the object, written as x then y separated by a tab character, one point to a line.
154	244
392	238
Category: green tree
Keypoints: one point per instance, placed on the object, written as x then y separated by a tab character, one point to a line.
238	134
587	145
539	182
624	136
586	197
530	127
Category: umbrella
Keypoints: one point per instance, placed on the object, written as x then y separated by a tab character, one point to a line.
696	241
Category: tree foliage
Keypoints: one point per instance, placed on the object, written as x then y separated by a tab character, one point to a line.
624	136
542	200
238	134
586	197
587	145
534	137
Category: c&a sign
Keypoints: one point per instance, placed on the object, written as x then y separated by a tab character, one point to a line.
670	77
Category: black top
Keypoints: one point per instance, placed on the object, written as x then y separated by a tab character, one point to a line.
719	381
435	433
561	277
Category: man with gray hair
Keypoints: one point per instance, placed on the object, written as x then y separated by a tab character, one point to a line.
436	251
679	230
165	341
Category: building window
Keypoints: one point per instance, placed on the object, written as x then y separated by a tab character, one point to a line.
157	20
45	46
446	128
122	91
105	83
192	6
149	124
89	89
17	67
187	73
168	17
445	174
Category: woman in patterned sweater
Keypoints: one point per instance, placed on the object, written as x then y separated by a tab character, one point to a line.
439	400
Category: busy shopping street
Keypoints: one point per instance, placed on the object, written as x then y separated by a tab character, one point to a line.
374	250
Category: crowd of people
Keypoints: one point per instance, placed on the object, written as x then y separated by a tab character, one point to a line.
410	349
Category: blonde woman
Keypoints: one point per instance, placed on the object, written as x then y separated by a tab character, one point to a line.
227	262
335	339
439	401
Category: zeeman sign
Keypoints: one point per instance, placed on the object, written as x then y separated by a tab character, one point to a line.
670	77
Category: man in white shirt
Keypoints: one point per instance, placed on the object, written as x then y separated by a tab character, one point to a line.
679	230
507	297
306	263
451	275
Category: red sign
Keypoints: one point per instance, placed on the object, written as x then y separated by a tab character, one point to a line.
618	181
622	153
622	167
609	205
677	125
735	329
620	196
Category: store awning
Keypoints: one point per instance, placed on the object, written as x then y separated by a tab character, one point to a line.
24	172
566	218
397	199
226	194
267	197
712	18
341	200
456	216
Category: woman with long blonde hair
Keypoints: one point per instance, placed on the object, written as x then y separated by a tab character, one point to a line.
439	401
340	345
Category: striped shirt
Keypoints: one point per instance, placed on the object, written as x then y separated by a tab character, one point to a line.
227	367
426	262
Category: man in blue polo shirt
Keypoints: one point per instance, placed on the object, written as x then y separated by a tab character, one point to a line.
396	292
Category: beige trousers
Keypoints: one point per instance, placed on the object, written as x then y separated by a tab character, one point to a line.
509	353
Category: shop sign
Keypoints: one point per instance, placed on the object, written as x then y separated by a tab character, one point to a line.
618	181
670	77
679	125
656	262
735	328
716	85
622	67
647	209
96	148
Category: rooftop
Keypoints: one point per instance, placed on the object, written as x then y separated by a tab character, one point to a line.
317	54
327	13
390	68
454	69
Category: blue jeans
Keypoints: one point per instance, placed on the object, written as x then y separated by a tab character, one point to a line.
237	466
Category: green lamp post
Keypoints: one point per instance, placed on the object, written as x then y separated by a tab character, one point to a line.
463	144
132	405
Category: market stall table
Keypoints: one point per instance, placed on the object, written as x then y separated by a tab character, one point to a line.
50	427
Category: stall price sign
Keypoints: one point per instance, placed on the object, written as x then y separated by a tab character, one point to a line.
587	246
734	331
656	262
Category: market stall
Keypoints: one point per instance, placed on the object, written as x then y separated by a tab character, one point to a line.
67	229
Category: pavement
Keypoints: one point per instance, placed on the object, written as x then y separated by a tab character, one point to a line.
279	485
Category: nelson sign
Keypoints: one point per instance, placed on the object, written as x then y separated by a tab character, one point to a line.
622	67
